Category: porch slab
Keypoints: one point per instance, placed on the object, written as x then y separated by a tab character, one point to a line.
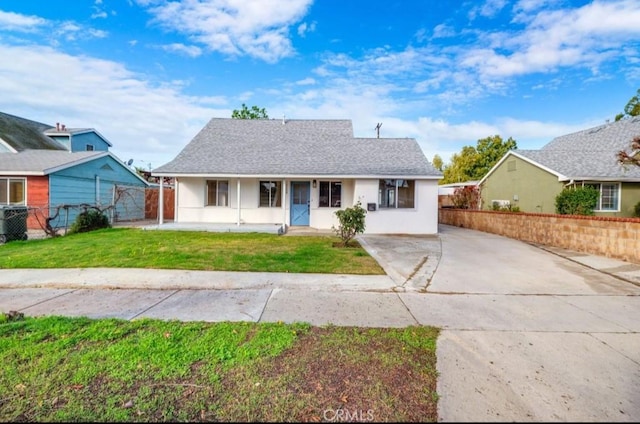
217	227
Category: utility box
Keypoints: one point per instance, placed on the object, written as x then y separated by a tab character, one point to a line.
13	223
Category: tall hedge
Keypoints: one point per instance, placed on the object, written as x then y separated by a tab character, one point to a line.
577	201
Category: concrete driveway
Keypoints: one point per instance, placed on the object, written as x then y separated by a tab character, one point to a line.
528	334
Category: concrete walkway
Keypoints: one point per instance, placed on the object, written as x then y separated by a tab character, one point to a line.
529	334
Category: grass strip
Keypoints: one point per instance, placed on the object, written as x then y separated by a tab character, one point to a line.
79	369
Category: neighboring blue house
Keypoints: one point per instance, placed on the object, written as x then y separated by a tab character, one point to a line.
79	139
57	168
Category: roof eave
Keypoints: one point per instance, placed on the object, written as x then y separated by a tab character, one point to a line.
300	176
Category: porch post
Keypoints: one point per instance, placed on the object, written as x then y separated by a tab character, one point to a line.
238	196
161	202
284	204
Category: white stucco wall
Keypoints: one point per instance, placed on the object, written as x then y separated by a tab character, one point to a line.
423	219
191	207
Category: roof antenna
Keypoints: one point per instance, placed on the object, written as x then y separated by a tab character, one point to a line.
283	119
378	129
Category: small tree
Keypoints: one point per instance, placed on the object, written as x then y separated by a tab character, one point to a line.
467	197
245	113
351	223
577	201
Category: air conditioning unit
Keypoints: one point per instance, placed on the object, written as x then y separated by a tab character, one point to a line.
500	203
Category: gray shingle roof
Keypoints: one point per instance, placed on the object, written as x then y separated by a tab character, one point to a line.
613	137
579	164
42	162
591	153
298	147
22	134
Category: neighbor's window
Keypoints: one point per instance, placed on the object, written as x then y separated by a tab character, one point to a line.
12	191
217	193
270	194
396	194
330	195
89	147
609	196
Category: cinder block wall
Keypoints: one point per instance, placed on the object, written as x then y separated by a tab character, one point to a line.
612	237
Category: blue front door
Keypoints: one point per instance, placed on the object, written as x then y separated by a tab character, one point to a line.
300	196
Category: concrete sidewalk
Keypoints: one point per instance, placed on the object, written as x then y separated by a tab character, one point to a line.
528	333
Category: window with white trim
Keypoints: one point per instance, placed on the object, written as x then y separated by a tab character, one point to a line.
12	191
270	194
217	193
330	194
396	194
609	200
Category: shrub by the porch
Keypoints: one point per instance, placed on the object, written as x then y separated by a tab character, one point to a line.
351	223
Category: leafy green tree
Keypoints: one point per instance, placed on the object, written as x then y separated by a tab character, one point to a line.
437	162
490	151
351	223
632	107
245	113
461	167
473	163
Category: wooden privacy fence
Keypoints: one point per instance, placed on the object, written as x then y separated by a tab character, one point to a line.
612	237
151	203
138	203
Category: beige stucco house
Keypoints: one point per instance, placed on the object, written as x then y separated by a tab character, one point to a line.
531	179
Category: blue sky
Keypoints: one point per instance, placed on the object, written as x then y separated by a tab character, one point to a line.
149	74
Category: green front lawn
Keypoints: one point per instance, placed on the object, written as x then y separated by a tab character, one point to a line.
137	248
78	369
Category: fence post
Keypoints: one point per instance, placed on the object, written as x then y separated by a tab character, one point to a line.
113	203
161	202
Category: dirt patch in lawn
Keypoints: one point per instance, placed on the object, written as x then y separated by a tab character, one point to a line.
354	379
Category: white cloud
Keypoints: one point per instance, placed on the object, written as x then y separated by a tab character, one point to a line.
257	28
16	22
306	81
99	14
305	28
141	119
488	9
191	51
443	31
584	37
97	33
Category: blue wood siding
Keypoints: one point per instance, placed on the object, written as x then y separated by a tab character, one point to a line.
77	185
79	142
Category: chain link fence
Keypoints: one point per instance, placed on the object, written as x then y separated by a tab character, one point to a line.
130	205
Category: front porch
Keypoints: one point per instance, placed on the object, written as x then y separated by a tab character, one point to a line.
217	227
